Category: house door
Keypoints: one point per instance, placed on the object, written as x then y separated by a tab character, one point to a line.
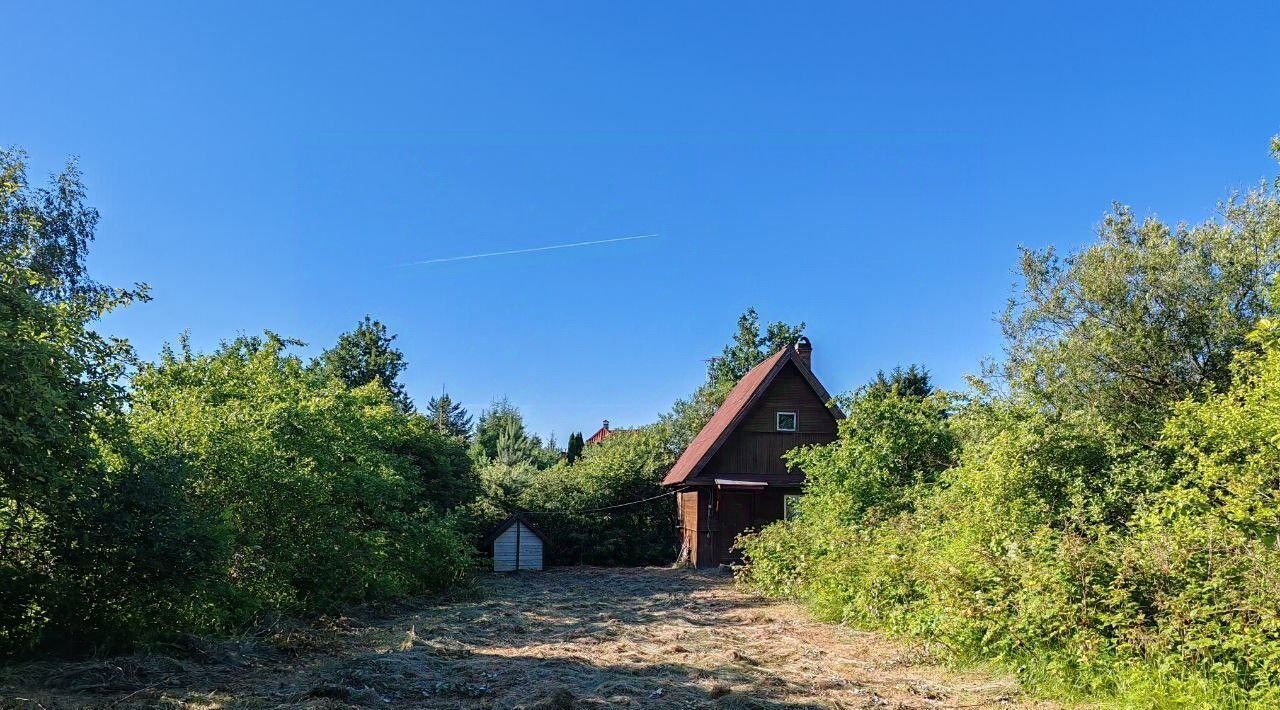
737	510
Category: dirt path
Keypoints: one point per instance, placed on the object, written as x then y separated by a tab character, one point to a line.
571	637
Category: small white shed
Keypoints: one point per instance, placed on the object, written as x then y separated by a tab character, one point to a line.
516	544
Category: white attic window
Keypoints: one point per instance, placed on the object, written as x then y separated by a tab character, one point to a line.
787	421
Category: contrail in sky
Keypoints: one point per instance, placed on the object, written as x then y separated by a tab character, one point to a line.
530	249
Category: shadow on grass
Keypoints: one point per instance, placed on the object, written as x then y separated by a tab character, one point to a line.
562	638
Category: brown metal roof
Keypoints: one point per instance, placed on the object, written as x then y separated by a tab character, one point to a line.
736	405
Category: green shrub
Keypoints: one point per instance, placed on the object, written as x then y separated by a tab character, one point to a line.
148	560
309	477
234	484
1104	516
628	466
61	392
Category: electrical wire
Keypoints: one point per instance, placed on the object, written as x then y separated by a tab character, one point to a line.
598	510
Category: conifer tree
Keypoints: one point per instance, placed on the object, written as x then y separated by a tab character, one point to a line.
366	354
574	450
449	416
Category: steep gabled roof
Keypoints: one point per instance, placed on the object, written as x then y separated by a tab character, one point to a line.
749	389
506	525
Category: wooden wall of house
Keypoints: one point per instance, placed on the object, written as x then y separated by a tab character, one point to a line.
769	505
701	531
758	452
789	392
697	526
756	446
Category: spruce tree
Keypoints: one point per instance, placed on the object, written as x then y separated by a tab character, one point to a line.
449	416
367	354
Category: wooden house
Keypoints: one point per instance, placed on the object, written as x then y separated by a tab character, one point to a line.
732	476
516	544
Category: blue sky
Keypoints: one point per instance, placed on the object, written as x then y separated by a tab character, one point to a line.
867	168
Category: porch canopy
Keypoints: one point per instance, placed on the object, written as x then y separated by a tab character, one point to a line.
741	484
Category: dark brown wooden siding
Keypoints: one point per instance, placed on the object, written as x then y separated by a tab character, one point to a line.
770	506
756	446
688	509
758	452
697	533
789	392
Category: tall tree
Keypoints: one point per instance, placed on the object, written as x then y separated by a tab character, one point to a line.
1148	315
749	347
47	231
914	381
514	446
367	354
449	416
573	452
61	396
500	417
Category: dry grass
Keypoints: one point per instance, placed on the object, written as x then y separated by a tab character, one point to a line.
565	638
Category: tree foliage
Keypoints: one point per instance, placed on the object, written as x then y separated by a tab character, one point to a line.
320	503
513	446
60	390
46	232
500	436
890	443
449	416
1101	515
1148	315
501	418
624	468
573	450
749	347
204	490
366	354
914	381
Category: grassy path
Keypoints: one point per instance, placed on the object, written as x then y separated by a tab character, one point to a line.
569	637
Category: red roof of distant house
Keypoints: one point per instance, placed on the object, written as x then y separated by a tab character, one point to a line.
601	434
736	405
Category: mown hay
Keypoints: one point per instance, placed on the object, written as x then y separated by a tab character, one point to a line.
591	638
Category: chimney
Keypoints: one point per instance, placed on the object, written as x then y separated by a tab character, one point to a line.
805	350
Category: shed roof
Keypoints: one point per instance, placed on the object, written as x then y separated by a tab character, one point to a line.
744	394
512	520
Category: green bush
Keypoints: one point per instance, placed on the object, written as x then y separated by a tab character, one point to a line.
147	561
231	485
309	478
1102	515
626	467
997	562
69	519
